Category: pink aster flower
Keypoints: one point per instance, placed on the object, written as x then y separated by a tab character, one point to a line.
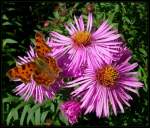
31	89
83	45
107	86
71	110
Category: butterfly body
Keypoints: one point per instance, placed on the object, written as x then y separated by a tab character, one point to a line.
44	69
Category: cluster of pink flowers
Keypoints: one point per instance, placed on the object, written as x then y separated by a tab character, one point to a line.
98	62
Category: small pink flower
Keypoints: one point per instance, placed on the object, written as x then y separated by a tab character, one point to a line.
71	110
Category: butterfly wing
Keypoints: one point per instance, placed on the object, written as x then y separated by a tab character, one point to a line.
41	47
46	71
53	66
22	72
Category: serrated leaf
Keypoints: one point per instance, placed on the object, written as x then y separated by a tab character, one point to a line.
43	117
38	116
25	110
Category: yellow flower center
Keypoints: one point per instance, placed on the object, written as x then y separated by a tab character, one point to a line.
82	38
107	76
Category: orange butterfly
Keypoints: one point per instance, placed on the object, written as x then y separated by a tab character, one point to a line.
44	69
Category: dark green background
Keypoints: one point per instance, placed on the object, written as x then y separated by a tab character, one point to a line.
20	20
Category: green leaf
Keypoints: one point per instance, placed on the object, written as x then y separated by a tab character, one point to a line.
11	9
43	117
17	23
4	17
13	114
56	14
8	41
31	114
32	40
52	107
63	119
115	25
6	23
37	116
142	50
126	19
10	99
57	123
25	110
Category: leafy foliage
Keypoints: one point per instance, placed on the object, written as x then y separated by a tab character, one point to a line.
21	20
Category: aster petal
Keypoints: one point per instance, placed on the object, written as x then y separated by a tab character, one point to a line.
69	30
60	42
78	83
117	100
131	73
61	52
19	87
105	98
130	89
82	88
131	83
127	96
111	43
59	36
94	100
32	51
29	55
112	102
36	94
129	68
31	91
73	27
75	60
87	97
77	24
89	23
114	37
104	27
106	35
123	98
99	105
81	23
26	91
41	94
104	51
123	64
22	59
22	89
